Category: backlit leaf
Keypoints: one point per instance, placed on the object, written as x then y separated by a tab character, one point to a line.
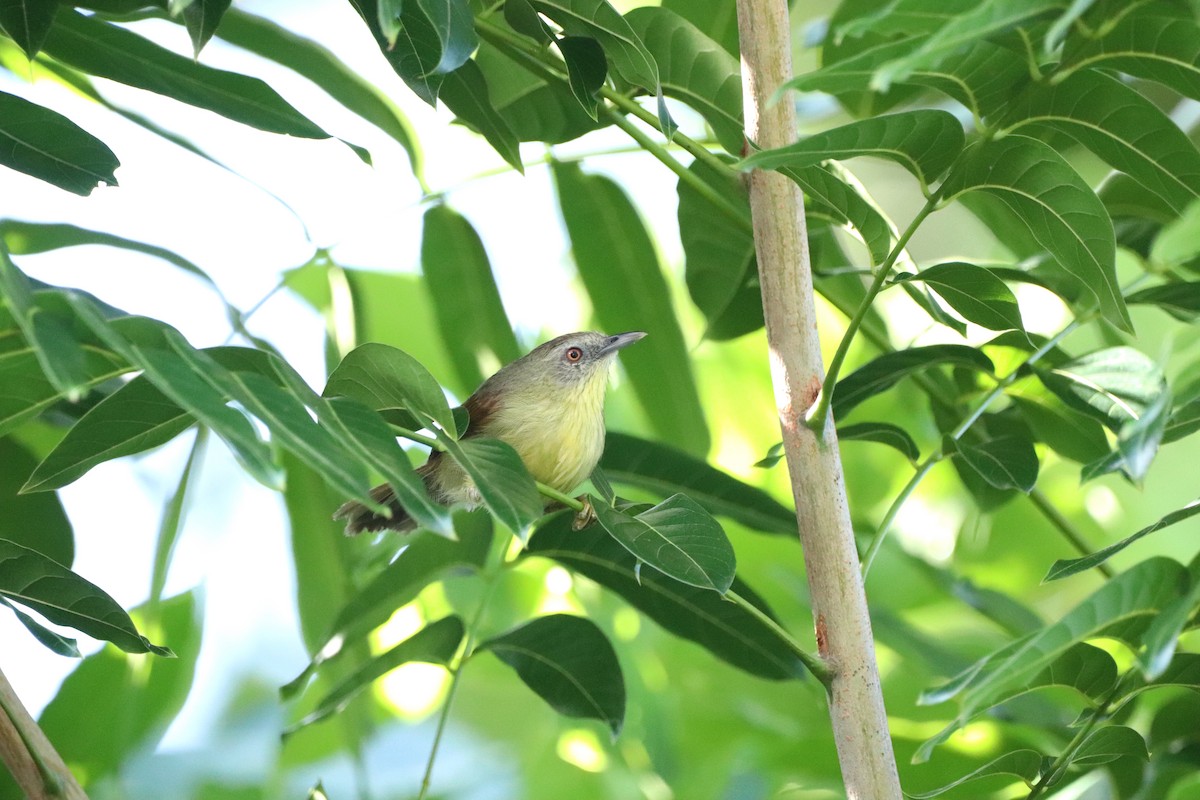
384	377
975	293
52	148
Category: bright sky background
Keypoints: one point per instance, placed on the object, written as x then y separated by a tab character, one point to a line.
370	217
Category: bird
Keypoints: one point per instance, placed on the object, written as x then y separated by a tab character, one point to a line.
548	405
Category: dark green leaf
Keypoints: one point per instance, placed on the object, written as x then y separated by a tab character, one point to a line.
55	642
27	22
1007	462
1108	743
469	312
600	21
365	435
52	148
413	54
676	537
202	18
830	196
620	269
975	293
715	18
1068	432
924	141
1120	126
452	22
1184	421
888	369
384	377
569	663
465	92
725	629
506	487
27	392
1028	765
1161	42
1071	566
436	643
35	521
718	248
1138	439
1180	300
107	51
1162	636
1059	209
882	432
586	69
58	594
695	70
665	470
321	66
522	18
58	351
1083	667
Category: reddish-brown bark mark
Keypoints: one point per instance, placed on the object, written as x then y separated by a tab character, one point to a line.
822	642
811	392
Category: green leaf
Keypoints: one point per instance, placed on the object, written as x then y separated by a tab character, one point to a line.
384	377
54	642
725	629
465	92
678	538
324	68
975	293
436	643
35	521
586	69
600	21
186	388
27	22
45	144
1068	432
1184	421
504	484
1006	462
1115	385
834	198
1180	300
982	20
923	141
58	351
719	263
469	312
1059	209
1121	608
365	435
1159	43
619	266
1120	126
665	470
1138	439
695	70
522	18
104	50
1028	765
1162	636
885	433
133	419
131	702
171	524
58	594
888	369
1071	566
1087	669
452	22
569	663
414	52
27	392
202	18
1108	743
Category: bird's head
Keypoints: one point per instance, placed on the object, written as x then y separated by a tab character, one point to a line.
573	360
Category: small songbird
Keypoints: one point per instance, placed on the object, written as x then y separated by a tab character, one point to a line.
548	405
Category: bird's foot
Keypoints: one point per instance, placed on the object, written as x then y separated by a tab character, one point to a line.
584	516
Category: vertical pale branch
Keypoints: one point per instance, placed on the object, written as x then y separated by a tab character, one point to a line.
843	627
28	754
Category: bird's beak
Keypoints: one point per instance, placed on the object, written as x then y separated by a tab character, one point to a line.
615	343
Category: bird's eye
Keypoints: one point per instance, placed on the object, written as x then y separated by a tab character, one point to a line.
574	355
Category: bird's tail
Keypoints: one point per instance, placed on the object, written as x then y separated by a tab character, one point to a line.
361	519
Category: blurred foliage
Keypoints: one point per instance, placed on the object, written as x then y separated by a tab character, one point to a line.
1020	410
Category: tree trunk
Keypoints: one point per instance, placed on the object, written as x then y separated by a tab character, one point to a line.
28	754
843	627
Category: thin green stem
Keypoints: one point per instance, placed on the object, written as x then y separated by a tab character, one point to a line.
1066	528
820	410
815	664
555	494
698	184
419	438
1052	775
456	673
